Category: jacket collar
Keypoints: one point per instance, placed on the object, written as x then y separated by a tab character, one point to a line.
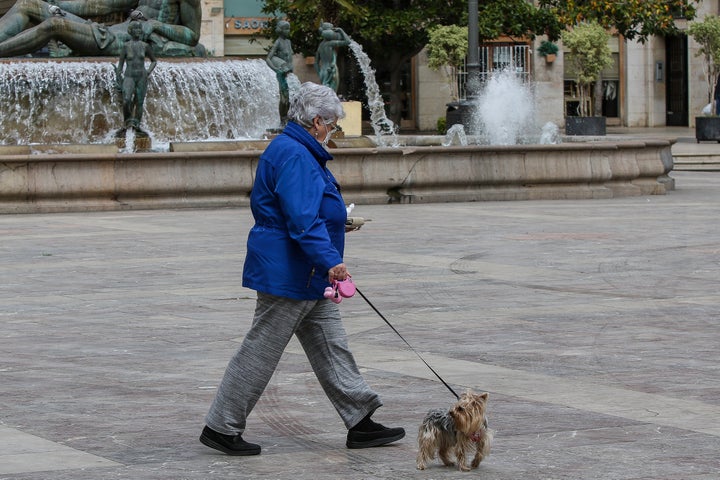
298	133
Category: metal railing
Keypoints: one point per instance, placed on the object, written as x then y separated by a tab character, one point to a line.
496	58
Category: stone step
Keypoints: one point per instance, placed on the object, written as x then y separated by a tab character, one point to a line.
698	162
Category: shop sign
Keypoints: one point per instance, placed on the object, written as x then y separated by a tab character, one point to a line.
245	25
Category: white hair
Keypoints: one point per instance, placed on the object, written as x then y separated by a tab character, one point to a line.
313	100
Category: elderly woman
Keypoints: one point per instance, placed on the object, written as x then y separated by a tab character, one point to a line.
294	251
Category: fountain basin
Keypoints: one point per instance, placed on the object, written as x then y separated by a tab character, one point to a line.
369	175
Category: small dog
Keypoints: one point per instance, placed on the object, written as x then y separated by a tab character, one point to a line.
456	431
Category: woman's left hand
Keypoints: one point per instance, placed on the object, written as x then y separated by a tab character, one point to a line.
338	272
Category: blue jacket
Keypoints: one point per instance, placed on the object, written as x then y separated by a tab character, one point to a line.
299	231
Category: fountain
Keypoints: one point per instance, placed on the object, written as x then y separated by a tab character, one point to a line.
190	103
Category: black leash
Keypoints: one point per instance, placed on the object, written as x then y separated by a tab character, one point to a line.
406	342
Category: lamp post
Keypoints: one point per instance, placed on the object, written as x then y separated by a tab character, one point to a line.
473	62
463	111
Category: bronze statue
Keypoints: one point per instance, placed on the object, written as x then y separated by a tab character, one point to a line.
133	81
280	60
326	55
172	27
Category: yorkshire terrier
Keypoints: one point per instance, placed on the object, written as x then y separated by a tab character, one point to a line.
455	432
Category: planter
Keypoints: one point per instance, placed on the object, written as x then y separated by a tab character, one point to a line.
707	129
585	126
550	58
459	113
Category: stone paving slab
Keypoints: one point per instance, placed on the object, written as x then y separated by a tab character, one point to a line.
593	324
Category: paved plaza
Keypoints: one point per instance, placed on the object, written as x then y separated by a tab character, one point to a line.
594	325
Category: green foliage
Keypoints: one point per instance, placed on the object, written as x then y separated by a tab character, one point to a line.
448	45
447	48
547	48
385	30
707	35
391	33
589	52
516	18
441	126
588	45
634	19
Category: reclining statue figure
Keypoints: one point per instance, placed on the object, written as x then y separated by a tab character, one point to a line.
171	27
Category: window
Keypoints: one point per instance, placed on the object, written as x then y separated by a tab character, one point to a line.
495	57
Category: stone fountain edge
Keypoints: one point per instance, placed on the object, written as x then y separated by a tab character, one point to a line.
64	182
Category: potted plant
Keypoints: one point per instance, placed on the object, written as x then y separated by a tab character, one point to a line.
707	35
548	50
588	52
446	49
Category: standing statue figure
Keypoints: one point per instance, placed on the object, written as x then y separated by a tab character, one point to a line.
280	60
326	55
133	81
172	27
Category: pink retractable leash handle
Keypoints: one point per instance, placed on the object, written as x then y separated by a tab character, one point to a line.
340	289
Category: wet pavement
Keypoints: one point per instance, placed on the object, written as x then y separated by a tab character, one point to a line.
594	325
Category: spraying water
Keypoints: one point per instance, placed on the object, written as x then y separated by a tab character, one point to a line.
384	128
455	131
293	84
550	134
505	109
77	102
129	141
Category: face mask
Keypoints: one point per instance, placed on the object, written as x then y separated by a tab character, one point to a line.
329	133
327	140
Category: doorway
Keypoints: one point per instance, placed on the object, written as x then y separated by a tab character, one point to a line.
676	101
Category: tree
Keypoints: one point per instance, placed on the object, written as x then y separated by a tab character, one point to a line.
391	32
633	19
587	44
517	18
394	31
447	49
707	35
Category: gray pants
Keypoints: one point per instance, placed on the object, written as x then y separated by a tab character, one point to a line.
318	327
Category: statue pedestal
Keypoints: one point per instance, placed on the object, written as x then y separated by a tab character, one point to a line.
352	123
142	144
141	141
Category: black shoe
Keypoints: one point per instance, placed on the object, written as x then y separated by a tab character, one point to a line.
232	445
367	434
